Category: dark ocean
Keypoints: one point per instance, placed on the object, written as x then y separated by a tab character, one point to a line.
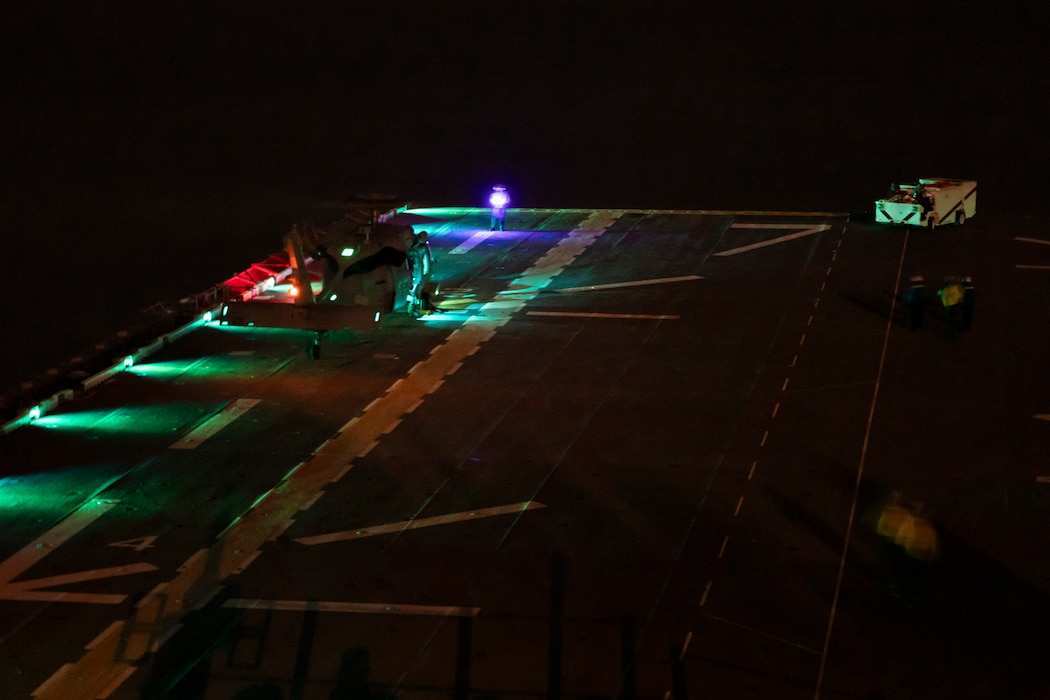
150	151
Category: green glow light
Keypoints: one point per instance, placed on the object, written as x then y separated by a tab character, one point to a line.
129	361
50	494
243	364
348	252
160	370
128	421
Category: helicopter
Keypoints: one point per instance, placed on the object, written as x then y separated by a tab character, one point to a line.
345	277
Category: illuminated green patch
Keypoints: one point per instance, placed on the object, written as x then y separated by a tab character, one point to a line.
163	419
161	370
48	495
445	212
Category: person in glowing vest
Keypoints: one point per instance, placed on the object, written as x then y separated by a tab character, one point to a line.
951	299
498	200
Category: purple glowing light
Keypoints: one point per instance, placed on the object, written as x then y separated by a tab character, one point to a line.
499	198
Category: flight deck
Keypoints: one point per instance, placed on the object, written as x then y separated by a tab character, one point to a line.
630	454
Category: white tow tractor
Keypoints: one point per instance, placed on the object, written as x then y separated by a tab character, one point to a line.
931	202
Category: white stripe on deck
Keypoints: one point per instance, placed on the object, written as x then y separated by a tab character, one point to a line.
361	608
418	523
477	239
208	428
635	283
575	314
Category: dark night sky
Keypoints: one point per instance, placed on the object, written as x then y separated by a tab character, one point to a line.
151	150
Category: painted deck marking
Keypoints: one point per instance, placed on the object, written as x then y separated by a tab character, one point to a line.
208	428
417	523
15	565
477	239
360	608
1033	267
1031	240
618	285
573	314
806	231
1042	479
1042	416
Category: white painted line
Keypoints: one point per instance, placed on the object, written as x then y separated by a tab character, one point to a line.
94	642
806	231
722	549
785	385
636	283
739	503
42	688
703	598
414	406
652	317
151	596
765	436
1042	416
418	523
832	613
117	682
27	590
341	473
15	565
281	529
208	428
685	645
22	560
477	239
247	562
189	563
751	472
1042	479
165	637
1033	267
1031	240
360	608
317	496
776	409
